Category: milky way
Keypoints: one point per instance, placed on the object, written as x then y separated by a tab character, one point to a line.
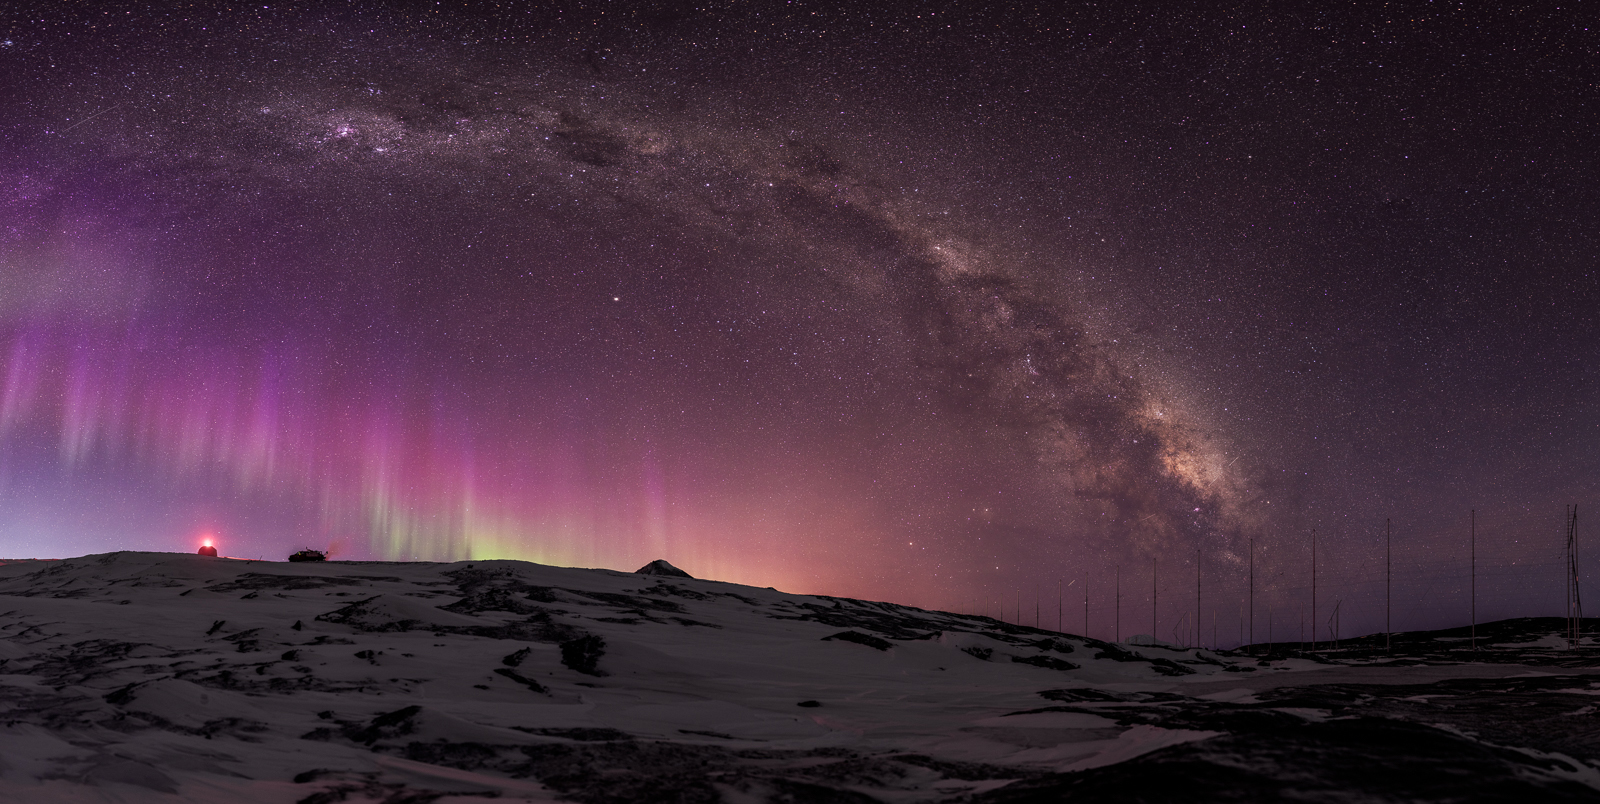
942	310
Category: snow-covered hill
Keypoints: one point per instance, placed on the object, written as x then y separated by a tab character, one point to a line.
153	676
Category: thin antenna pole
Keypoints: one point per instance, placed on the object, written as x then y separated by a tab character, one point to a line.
1252	641
1197	557
1574	599
1118	632
1153	601
1572	572
1313	590
1473	595
1086	608
1060	623
1388	583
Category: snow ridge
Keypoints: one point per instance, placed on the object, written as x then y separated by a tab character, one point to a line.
153	676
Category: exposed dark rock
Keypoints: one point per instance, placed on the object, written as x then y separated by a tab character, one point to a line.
704	733
687	621
617	770
359	615
636	604
387	725
677	591
1048	662
1345	760
95	658
537	628
542	594
888	619
1083	694
584	735
245	641
256	581
122	696
1057	645
583	654
498	598
1168	667
531	684
860	639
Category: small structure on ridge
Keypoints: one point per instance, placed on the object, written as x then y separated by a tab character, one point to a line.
208	550
309	555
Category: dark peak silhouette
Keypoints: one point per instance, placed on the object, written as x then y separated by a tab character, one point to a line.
661	567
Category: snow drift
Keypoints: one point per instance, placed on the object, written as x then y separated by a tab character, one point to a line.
153	676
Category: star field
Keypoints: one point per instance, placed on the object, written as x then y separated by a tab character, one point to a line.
942	304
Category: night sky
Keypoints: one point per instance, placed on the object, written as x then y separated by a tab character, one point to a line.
944	304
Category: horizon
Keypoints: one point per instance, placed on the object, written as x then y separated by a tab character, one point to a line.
1292	630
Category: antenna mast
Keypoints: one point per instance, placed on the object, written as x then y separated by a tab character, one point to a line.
1313	590
1333	624
1153	608
1388	583
1574	602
